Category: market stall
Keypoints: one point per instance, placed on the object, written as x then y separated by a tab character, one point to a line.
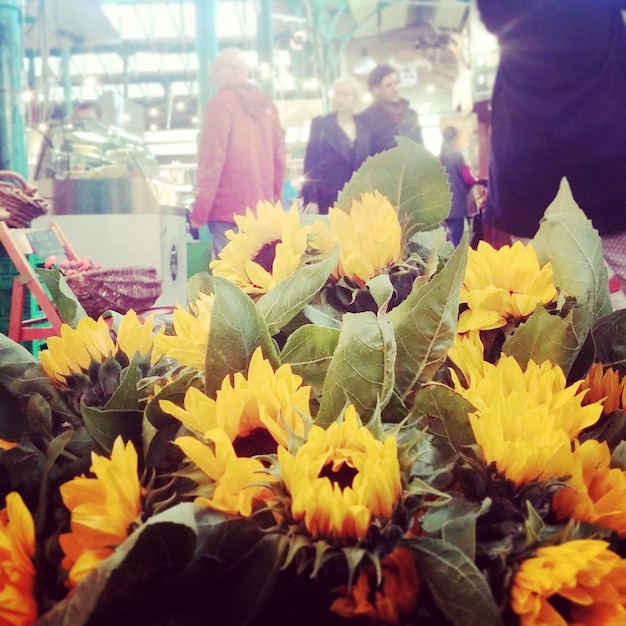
104	190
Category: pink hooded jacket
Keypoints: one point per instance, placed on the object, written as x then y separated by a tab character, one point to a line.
241	156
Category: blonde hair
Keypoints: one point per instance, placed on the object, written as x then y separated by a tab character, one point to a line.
356	88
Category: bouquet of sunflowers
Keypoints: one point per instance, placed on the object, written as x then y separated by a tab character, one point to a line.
351	423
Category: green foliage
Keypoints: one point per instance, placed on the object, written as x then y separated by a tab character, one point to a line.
456	584
567	239
609	339
237	329
21	376
309	351
202	282
444	413
284	301
160	548
425	324
466	524
359	372
411	178
120	415
178	567
545	337
63	298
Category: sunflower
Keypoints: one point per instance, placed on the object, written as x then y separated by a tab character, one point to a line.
467	353
237	490
91	342
369	237
341	478
102	510
269	246
596	492
257	412
189	343
578	582
605	387
387	604
18	606
503	284
525	420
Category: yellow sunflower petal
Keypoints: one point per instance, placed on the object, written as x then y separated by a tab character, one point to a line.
584	572
369	237
503	284
341	477
102	508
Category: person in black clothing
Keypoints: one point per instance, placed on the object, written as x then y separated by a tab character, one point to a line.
389	115
559	110
338	144
461	180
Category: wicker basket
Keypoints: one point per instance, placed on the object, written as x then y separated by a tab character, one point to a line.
19	202
119	289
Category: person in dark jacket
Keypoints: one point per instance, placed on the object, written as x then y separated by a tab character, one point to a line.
460	177
389	115
559	110
338	144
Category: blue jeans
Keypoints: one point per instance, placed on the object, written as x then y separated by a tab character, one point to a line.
218	235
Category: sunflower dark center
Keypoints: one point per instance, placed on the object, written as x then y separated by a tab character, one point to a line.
342	477
258	441
266	255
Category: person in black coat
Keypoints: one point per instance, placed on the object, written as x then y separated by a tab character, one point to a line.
389	115
559	110
338	144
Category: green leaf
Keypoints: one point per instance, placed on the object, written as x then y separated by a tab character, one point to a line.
106	425
237	329
425	324
125	396
455	522
156	550
434	460
237	574
21	464
309	351
120	416
360	371
327	317
63	298
444	413
381	289
56	447
411	178
567	239
202	282
609	338
229	580
544	337
457	586
284	301
21	375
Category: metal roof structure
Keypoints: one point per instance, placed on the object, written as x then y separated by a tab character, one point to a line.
146	50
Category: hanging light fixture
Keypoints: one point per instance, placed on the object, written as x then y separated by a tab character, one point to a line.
365	64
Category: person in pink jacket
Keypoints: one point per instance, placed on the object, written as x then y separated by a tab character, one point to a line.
241	156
